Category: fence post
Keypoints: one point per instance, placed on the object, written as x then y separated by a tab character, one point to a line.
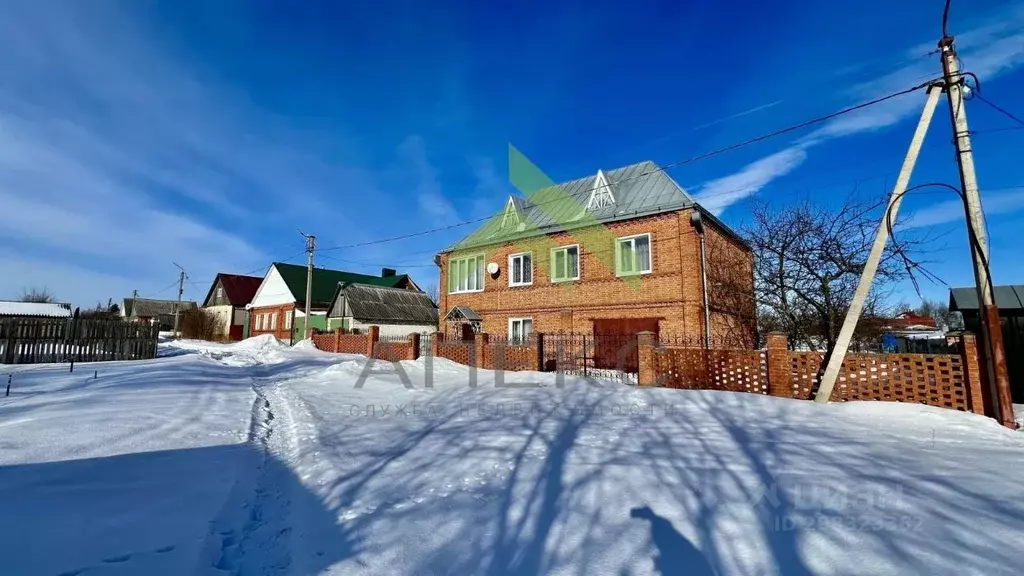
479	344
778	365
968	348
540	351
645	352
337	340
372	335
414	342
435	341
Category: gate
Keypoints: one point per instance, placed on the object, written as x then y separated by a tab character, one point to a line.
606	355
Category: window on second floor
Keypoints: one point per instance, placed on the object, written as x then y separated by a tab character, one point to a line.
633	255
520	269
565	263
220	293
466	274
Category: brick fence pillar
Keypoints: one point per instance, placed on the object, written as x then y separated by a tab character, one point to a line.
972	371
435	342
337	339
479	342
779	366
645	350
414	344
372	335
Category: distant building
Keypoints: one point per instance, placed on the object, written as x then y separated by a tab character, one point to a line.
397	311
149	311
10	309
1010	301
914	333
278	307
228	296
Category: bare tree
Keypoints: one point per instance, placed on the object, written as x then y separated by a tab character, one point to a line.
807	263
939	312
37	295
199	324
434	294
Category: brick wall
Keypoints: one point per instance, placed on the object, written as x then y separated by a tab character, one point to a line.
391	348
943	380
672	292
280	312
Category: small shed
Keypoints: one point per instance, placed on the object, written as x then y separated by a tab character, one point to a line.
1010	301
150	311
398	311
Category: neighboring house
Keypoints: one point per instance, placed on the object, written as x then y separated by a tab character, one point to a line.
1010	301
149	311
9	309
622	251
226	301
279	305
912	332
397	311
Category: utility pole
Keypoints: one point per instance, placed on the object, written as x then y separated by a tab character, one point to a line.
835	361
181	288
977	236
310	249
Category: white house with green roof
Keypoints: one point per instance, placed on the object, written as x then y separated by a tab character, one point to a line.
279	305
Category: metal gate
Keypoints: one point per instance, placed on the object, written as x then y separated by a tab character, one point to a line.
611	356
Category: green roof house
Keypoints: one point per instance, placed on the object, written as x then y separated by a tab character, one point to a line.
279	305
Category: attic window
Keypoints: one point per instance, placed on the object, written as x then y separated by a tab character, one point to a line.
602	195
511	215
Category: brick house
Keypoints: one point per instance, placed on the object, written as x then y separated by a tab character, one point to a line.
622	251
278	307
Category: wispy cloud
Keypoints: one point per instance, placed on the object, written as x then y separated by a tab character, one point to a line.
988	50
118	157
953	210
717	195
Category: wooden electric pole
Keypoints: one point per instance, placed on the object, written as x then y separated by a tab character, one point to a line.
977	236
177	306
310	249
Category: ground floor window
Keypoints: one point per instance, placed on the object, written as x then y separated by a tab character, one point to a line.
519	329
287	320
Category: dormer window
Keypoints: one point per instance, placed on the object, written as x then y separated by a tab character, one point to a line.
602	196
511	216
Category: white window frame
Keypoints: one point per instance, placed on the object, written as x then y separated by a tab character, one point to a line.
288	320
259	321
452	262
511	339
511	282
220	293
579	263
273	321
618	254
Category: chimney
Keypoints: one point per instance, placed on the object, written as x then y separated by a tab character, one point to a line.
387	272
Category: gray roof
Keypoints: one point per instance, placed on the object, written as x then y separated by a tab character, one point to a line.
1009	297
367	303
639	190
147	308
462	313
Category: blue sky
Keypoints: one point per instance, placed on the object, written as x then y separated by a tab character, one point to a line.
136	134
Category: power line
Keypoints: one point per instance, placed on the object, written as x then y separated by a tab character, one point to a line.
668	166
996	107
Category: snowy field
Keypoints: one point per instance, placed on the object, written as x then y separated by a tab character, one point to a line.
255	458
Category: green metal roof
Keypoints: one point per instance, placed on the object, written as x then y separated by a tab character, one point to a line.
325	281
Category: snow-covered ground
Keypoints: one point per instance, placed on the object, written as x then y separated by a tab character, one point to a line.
255	458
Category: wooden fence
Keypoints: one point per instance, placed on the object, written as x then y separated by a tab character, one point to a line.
37	340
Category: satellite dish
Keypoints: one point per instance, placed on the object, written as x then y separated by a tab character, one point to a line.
492	268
